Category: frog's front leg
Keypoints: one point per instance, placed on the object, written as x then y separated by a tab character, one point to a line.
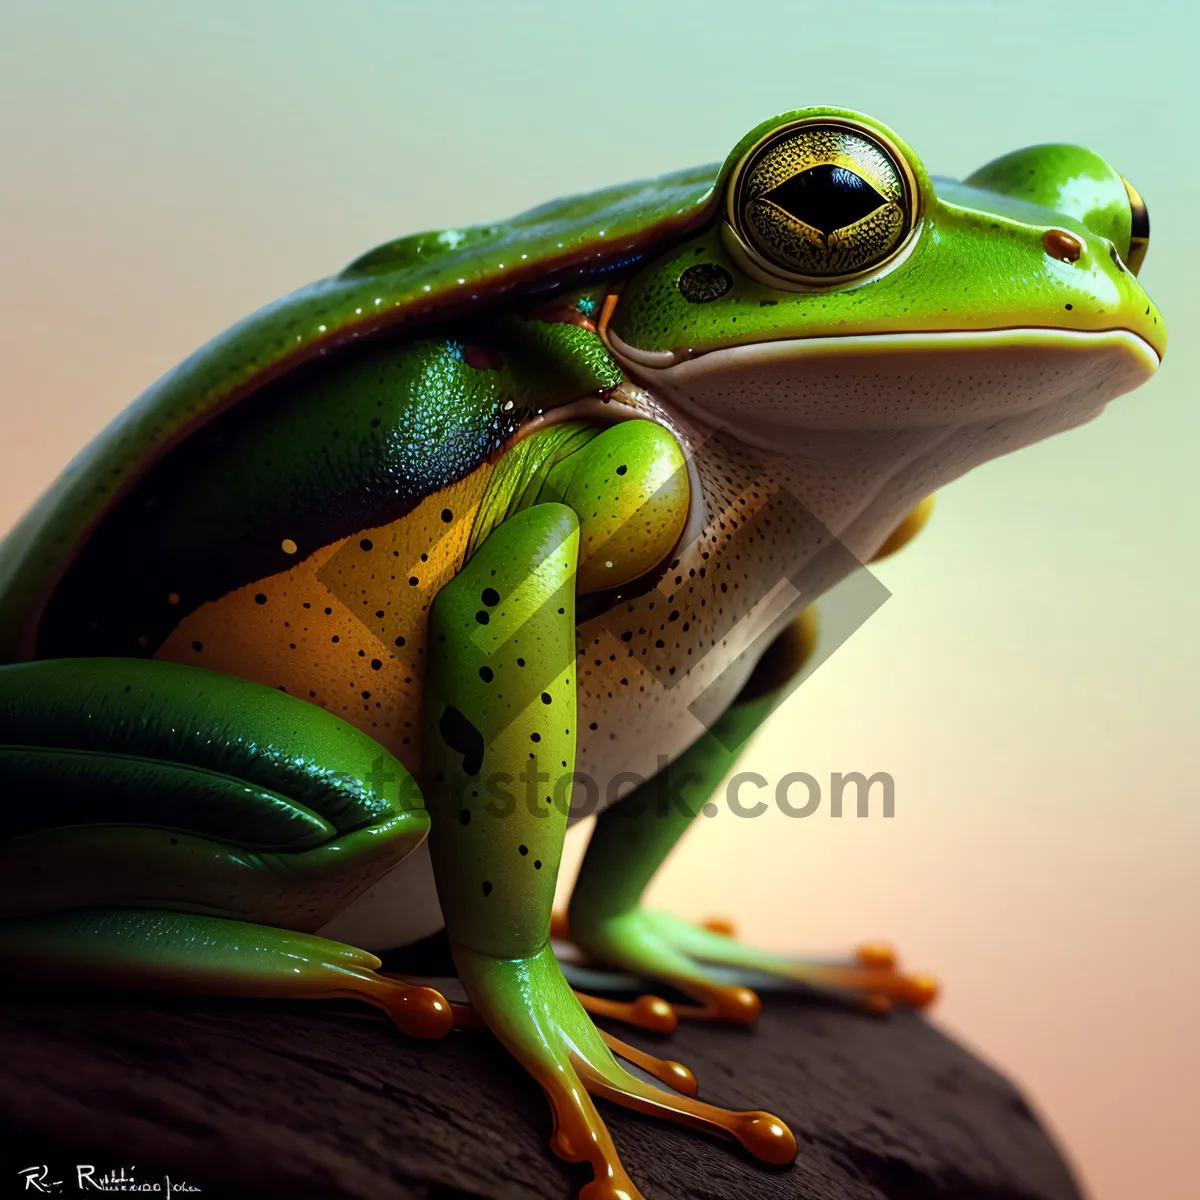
631	840
169	828
499	756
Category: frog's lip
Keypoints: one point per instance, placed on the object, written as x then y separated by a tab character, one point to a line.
655	362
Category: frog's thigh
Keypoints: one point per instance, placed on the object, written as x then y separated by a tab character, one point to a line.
156	820
156	785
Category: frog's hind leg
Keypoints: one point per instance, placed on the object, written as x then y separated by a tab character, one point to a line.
197	955
169	827
631	840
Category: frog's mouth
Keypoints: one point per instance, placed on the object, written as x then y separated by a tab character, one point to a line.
896	380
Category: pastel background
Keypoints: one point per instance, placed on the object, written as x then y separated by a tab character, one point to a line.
1031	685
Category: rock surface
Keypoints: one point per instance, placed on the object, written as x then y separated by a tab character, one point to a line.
263	1099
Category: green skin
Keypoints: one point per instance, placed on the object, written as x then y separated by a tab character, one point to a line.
170	826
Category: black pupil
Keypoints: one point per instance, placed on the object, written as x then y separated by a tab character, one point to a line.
826	197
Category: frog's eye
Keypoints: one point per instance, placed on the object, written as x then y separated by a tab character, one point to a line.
1139	228
821	201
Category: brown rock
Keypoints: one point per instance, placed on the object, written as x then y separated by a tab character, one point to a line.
255	1098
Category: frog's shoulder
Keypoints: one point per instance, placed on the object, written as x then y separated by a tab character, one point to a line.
399	285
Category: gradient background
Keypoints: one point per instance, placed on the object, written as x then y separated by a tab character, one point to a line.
1033	682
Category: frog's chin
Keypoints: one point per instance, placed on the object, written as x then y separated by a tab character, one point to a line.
762	391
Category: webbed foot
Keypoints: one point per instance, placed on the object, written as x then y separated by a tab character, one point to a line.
530	1007
666	949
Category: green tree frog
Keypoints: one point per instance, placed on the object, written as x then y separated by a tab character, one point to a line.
306	655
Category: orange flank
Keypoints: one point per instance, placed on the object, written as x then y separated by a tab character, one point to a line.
346	626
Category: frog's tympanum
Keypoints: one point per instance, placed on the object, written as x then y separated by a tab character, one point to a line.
321	644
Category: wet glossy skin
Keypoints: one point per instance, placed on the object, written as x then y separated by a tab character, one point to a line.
977	261
320	594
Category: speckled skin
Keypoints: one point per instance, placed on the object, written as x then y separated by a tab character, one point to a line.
502	515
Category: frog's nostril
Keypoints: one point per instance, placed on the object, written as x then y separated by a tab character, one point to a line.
1060	244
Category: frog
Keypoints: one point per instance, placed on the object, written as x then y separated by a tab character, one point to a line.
322	644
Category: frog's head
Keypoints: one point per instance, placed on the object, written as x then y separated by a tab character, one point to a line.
842	287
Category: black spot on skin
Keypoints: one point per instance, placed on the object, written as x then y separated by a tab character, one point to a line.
627	636
376	665
464	817
459	734
366	544
546	698
487	887
197	646
447	515
485	673
523	850
482	617
520	662
490	597
260	599
413	581
622	469
400	641
704	282
537	864
535	737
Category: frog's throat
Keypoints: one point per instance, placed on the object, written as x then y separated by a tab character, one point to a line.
894	380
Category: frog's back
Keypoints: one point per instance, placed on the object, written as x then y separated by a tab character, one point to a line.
397	290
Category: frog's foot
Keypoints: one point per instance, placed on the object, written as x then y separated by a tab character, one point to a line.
530	1007
651	1013
190	953
871	978
653	945
414	1009
673	1074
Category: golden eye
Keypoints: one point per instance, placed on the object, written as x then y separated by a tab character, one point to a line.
821	201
